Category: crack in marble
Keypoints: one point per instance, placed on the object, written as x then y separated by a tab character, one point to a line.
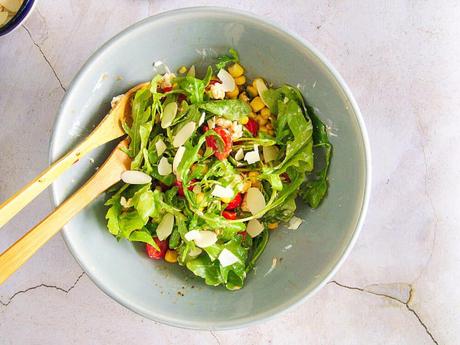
42	286
215	337
44	57
406	303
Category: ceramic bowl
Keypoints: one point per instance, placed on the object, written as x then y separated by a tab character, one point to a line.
24	11
306	258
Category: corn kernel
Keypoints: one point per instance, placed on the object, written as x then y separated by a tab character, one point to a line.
252	91
253	174
171	256
261	121
244	120
263	129
273	226
183	70
246	186
271	132
233	94
257	104
265	112
199	198
236	70
243	97
269	126
252	115
254	82
241	80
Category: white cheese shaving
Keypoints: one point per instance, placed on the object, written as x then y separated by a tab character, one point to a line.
178	158
294	223
183	134
227	258
164	167
200	122
228	83
165	227
223	192
160	146
135	177
239	154
254	228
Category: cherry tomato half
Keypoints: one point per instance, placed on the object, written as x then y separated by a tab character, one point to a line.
235	202
155	254
252	127
226	138
230	215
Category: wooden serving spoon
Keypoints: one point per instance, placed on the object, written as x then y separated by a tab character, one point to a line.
109	129
106	176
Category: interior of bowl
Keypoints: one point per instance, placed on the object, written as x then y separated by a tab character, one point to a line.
305	257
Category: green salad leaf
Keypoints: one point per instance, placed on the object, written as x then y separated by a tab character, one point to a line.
231	109
224	60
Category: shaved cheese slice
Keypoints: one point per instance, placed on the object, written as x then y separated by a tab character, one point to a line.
261	88
227	258
135	177
165	227
183	134
254	228
294	223
200	122
11	5
202	239
255	200
164	167
270	153
223	192
239	154
228	83
252	157
169	113
178	158
160	146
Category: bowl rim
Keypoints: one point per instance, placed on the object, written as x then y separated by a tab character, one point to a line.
20	17
298	299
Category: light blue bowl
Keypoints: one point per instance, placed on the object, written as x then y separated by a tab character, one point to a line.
310	255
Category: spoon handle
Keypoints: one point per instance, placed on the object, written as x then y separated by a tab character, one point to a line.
107	130
107	175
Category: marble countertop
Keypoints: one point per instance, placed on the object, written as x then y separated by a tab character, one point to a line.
400	59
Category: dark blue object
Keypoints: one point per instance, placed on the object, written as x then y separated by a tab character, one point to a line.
18	18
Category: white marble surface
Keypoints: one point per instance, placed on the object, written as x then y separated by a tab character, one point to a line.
399	285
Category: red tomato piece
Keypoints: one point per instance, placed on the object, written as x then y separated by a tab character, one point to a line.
252	127
229	215
235	202
153	253
244	234
166	89
226	138
181	97
179	185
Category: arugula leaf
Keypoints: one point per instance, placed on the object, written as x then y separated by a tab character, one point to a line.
315	188
141	114
195	87
144	236
260	242
224	60
203	267
145	204
231	109
129	222
113	214
144	133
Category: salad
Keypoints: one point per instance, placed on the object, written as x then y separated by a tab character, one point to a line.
218	163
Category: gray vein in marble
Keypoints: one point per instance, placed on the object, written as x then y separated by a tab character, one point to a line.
406	302
66	291
44	57
430	199
215	337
